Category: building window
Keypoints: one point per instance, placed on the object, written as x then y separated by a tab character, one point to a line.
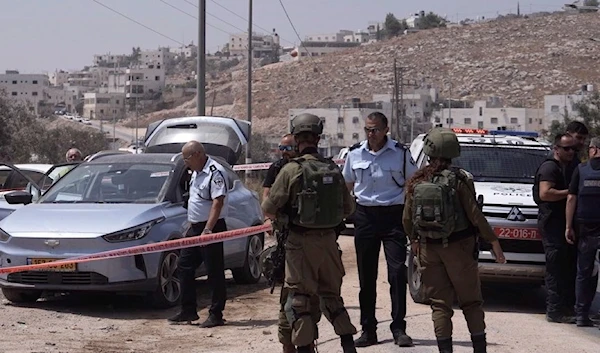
514	120
340	120
101	111
34	82
34	93
355	135
156	78
554	108
14	93
467	121
494	120
437	119
355	120
340	136
450	121
14	82
480	111
480	124
530	120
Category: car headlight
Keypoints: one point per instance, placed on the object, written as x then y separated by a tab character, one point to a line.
134	233
4	236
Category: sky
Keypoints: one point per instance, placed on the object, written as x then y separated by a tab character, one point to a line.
44	35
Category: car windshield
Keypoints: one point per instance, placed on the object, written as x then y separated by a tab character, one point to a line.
110	183
493	163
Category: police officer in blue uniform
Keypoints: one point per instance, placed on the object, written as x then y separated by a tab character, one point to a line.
376	170
207	210
583	223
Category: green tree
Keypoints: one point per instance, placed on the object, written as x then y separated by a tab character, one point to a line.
24	138
393	27
431	20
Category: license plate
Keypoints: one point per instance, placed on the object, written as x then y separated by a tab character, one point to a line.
59	268
517	233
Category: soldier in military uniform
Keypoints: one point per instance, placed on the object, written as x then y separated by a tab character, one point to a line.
287	147
310	193
448	262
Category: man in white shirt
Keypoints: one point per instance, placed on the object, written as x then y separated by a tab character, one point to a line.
207	209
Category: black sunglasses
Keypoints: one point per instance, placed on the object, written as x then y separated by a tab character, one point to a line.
373	129
569	148
286	148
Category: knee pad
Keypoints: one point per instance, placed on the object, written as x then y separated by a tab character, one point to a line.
296	306
332	308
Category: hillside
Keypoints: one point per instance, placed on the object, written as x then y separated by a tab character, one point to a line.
519	60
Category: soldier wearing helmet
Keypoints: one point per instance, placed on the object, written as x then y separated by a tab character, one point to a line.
442	220
310	196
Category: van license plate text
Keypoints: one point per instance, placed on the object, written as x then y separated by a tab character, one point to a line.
517	233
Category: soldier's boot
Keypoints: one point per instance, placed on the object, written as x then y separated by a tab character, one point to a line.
347	344
479	343
289	348
445	345
304	349
366	339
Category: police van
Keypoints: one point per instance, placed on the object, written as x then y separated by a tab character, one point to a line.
503	164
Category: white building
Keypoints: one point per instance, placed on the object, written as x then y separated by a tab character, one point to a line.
556	107
359	36
104	106
485	115
156	58
84	78
60	97
343	124
414	20
375	30
322	48
189	51
141	83
262	44
110	59
26	88
58	77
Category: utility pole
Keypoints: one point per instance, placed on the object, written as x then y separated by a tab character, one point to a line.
201	61
399	83
249	93
450	108
396	110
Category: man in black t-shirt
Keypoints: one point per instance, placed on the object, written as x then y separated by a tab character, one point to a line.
287	148
583	224
560	256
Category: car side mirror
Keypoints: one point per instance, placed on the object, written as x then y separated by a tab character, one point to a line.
18	197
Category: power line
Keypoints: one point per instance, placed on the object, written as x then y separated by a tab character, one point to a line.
137	22
243	18
194	17
218	18
295	31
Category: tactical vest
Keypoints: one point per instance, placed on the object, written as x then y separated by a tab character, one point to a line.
437	211
588	197
320	202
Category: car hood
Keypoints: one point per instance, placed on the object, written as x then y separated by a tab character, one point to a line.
82	220
505	193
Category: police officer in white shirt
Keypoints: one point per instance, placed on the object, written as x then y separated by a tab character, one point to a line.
376	170
207	209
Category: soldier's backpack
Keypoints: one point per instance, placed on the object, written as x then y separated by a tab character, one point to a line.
437	212
320	202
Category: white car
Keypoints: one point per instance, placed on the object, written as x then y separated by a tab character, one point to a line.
10	180
503	164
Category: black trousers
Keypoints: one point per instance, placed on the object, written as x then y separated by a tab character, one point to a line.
375	226
561	270
585	286
191	259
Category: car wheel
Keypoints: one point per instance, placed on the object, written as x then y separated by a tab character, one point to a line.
415	286
168	291
20	296
250	273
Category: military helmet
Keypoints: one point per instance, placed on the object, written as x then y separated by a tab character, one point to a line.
441	143
307	123
265	261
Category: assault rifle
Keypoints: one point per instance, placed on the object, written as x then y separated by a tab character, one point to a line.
278	258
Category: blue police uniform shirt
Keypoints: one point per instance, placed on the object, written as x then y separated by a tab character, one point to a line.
205	186
378	177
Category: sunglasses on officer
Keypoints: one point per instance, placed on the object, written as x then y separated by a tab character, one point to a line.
374	130
287	148
569	148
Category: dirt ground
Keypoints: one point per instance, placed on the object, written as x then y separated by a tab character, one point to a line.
87	323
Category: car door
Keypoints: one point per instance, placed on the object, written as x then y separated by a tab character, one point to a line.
13	179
